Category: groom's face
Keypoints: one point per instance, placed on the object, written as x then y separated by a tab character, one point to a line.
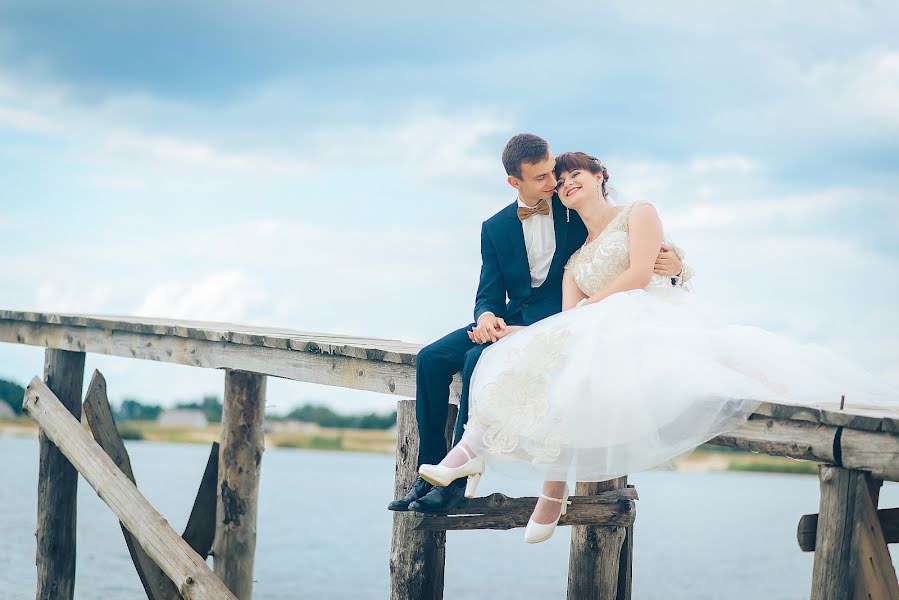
537	181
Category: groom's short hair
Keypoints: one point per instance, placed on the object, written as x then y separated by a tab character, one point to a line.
523	148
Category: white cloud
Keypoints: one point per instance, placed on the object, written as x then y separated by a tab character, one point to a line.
862	88
25	120
73	296
232	296
192	155
741	164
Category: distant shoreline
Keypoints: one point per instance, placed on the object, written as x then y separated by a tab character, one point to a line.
704	458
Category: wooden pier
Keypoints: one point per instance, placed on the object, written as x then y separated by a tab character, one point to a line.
857	449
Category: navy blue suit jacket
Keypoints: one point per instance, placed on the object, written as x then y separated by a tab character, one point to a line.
505	286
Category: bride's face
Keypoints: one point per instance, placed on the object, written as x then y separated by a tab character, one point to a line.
578	186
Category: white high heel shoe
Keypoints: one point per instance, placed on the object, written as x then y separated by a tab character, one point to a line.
536	532
443	476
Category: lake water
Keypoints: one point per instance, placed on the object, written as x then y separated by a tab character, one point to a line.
324	531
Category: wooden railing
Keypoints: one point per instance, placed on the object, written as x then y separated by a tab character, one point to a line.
859	448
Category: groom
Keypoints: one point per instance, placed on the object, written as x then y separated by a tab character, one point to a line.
524	248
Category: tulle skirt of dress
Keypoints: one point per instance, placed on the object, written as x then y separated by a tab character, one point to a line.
628	383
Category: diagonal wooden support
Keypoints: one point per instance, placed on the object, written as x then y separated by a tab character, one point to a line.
200	530
498	511
99	416
851	555
875	577
193	577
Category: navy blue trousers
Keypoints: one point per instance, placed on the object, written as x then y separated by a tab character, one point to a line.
435	366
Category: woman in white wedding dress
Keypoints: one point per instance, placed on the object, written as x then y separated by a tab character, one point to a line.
632	372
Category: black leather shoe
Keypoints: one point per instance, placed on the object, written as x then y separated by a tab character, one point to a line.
441	500
419	489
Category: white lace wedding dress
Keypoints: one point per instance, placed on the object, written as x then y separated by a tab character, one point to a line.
630	382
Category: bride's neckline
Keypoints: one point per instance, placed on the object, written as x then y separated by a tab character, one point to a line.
607	225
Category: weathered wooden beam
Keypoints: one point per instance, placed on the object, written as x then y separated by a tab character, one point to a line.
834	571
794	439
808	528
875	453
417	557
875	574
851	555
251	335
57	487
498	511
99	417
300	365
594	560
200	529
240	458
193	577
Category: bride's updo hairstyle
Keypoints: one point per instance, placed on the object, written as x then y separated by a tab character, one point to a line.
572	161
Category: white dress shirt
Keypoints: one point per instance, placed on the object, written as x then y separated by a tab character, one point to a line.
540	243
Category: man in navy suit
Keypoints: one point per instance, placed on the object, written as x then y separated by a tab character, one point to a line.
524	248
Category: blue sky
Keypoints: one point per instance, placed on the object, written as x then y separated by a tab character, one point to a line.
327	168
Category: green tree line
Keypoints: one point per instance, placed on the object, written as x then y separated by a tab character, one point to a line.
133	409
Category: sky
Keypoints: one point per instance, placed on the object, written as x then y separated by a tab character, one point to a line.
326	167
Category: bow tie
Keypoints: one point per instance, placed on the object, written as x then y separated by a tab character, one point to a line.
542	208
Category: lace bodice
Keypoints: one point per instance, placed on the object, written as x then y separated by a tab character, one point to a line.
603	259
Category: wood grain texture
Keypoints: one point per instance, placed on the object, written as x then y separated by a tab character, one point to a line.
99	417
875	574
417	557
876	453
594	567
833	571
57	487
194	579
240	459
498	511
808	528
318	343
323	368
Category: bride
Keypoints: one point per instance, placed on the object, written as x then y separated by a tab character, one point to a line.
633	372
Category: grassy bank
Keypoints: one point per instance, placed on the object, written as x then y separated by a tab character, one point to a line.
704	458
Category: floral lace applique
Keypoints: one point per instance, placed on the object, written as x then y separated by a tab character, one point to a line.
513	405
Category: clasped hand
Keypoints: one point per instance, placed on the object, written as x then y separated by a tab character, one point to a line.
490	328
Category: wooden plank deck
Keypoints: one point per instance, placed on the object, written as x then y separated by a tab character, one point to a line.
855	439
385	366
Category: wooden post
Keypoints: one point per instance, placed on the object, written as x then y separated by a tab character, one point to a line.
57	486
851	555
239	461
191	574
832	572
417	557
596	554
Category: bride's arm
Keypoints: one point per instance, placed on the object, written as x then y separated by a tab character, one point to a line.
571	293
645	239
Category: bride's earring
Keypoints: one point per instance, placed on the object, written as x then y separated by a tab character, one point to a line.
568	215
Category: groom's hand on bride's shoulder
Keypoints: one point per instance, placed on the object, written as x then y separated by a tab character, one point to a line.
668	263
488	329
